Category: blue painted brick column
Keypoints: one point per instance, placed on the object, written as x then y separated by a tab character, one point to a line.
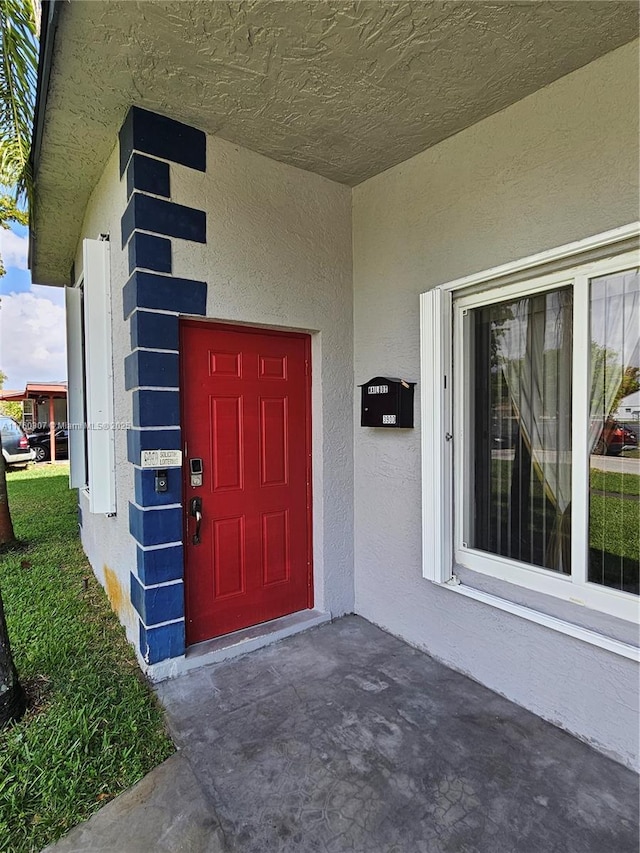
153	300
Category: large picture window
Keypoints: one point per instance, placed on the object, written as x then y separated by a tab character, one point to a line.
545	467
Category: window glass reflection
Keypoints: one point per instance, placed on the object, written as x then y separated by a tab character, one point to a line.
614	420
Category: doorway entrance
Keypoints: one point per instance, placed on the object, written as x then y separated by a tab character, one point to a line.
246	427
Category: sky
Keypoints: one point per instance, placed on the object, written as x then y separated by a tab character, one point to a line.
32	319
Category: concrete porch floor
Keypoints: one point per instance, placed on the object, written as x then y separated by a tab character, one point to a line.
346	739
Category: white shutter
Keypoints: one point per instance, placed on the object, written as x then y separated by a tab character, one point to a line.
437	470
99	378
75	392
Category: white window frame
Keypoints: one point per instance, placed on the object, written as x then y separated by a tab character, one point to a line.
28	409
443	421
91	384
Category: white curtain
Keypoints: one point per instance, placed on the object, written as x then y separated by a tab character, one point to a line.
615	343
534	352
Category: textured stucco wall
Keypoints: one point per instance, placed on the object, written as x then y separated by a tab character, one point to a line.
107	541
558	166
278	254
343	89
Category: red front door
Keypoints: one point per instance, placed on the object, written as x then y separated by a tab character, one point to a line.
246	414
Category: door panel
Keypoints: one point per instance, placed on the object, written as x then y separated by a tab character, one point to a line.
274	467
226	442
229	561
246	414
275	547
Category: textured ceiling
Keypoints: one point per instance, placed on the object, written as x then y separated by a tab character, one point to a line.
344	89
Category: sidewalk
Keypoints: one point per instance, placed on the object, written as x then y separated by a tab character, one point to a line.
346	739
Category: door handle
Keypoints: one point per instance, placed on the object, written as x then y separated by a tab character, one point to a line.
195	511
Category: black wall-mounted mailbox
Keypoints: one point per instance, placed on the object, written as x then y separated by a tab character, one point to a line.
387	402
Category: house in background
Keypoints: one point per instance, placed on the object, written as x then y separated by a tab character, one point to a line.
629	408
44	406
42	402
257	208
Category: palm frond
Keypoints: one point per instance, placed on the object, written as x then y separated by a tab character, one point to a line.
18	75
10	212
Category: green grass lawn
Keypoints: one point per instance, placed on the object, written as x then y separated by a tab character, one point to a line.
614	482
614	529
94	727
